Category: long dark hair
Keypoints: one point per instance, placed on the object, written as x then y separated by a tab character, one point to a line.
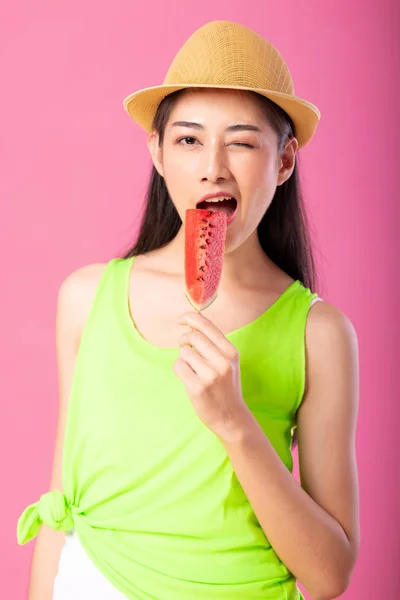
283	232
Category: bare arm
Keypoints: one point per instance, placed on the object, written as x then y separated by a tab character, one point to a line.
74	301
314	529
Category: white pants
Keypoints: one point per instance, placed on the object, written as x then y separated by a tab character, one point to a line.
78	578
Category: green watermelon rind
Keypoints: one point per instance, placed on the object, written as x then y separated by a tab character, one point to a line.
199	308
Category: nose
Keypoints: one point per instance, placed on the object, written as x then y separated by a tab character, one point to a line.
215	164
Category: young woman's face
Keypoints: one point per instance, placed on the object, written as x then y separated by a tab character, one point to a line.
201	154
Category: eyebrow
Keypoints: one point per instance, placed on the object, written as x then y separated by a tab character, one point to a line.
238	127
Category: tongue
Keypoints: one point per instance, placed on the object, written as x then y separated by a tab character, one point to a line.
226	206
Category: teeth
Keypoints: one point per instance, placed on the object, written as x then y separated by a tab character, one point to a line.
218	199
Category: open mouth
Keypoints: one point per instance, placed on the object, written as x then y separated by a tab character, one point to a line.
227	206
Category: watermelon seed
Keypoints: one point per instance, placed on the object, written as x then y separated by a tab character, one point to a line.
204	220
203	235
200	279
203	247
204	228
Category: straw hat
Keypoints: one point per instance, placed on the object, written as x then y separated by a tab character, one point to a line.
227	55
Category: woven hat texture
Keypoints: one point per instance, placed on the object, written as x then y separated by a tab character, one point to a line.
228	55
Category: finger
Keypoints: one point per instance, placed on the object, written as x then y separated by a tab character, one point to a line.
185	372
190	380
201	323
197	363
204	347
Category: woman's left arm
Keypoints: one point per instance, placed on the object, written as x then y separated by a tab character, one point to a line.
314	528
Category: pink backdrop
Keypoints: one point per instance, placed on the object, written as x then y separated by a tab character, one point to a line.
73	173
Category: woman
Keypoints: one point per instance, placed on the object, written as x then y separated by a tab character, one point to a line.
176	470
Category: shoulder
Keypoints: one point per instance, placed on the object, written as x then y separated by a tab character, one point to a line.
81	285
330	338
327	323
75	297
82	280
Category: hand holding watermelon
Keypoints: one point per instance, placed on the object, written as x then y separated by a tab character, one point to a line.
209	367
209	364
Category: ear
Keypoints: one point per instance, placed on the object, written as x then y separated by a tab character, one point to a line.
287	160
155	151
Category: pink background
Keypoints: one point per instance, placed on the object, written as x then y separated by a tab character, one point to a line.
74	169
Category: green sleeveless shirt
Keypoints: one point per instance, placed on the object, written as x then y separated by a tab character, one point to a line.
148	488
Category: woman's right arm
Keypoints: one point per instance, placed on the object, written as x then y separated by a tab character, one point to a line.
75	299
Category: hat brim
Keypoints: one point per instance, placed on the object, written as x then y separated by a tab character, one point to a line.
142	106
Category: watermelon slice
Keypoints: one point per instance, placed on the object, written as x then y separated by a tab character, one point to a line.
205	233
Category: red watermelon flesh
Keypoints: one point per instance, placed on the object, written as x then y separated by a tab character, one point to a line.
205	233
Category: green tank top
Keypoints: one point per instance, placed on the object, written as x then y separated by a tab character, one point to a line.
148	488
